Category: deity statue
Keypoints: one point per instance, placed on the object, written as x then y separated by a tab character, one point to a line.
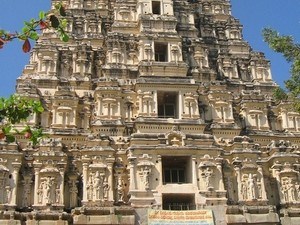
73	193
251	187
208	174
120	189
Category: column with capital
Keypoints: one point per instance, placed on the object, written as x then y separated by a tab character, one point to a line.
84	181
262	181
15	177
36	185
160	170
194	171
132	161
61	187
110	178
221	182
239	181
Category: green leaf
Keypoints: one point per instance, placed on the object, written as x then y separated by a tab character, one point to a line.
64	37
10	138
40	109
42	15
63	23
34	36
25	29
6	129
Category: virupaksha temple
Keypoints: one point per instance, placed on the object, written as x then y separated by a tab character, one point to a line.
157	112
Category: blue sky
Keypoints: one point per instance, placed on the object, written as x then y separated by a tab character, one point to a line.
283	15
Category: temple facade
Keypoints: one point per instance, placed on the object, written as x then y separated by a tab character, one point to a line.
152	105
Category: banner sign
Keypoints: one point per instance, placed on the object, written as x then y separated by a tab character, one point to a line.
169	217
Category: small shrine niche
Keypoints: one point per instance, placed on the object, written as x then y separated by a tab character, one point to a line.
145	167
175	138
5	188
211	174
121	186
97	183
287	176
250	181
49	186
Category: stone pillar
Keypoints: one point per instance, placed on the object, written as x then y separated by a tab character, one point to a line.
155	109
132	184
263	189
221	182
84	181
110	179
238	174
180	105
15	178
141	107
61	187
194	171
160	170
36	185
276	172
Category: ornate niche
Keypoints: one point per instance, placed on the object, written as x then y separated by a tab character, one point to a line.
5	188
211	174
250	180
50	182
49	174
97	186
145	166
121	187
175	138
287	176
211	183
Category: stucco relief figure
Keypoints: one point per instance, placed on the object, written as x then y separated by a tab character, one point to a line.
57	196
45	190
252	187
208	175
229	187
106	188
3	198
40	192
8	190
98	185
66	69
292	190
249	187
26	197
289	189
120	190
73	194
244	187
90	188
146	177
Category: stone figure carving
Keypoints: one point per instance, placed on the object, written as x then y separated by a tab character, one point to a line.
289	189
95	186
98	185
229	187
57	196
208	174
250	187
120	189
90	188
47	193
73	193
106	188
8	190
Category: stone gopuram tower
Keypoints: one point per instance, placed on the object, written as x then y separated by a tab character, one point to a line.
153	105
